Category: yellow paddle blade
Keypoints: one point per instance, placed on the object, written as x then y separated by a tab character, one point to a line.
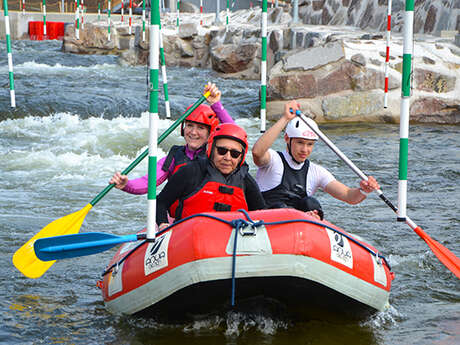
25	259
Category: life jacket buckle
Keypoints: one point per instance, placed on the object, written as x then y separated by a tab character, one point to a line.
378	259
115	270
248	230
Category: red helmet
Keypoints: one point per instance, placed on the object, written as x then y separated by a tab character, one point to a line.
203	114
230	131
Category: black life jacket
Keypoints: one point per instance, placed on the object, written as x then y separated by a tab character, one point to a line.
291	189
215	192
177	153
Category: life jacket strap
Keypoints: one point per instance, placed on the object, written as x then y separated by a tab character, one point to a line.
226	190
220	207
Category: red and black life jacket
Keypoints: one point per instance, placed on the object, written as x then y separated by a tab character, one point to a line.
215	192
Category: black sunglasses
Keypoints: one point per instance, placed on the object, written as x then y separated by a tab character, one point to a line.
222	151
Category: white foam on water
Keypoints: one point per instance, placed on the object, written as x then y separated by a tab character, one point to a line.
32	65
383	319
237	323
211	323
66	145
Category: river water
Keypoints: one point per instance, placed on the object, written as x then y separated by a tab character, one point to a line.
80	118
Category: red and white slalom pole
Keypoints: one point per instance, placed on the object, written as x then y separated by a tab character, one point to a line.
130	16
387	57
201	12
122	11
82	14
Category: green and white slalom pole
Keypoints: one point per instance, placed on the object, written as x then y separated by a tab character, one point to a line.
108	20
263	69
8	52
178	15
98	11
228	13
163	75
44	19
405	107
154	47
77	20
143	21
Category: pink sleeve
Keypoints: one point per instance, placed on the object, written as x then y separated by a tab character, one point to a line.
221	113
140	185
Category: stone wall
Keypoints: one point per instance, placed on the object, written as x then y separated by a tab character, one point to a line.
337	73
430	16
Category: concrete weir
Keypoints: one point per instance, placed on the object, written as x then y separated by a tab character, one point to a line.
19	23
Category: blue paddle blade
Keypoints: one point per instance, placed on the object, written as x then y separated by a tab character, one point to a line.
71	246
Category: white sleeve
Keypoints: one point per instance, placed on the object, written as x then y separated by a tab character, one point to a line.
269	175
271	160
317	177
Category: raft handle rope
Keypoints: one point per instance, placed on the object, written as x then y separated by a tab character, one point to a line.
232	223
239	223
376	254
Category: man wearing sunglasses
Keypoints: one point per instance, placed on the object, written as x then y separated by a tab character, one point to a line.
288	178
219	182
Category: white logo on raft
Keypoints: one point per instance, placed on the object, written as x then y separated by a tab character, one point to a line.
340	249
156	254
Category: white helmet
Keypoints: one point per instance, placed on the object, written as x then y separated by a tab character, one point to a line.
296	128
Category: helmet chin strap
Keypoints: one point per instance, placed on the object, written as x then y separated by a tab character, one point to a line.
290	153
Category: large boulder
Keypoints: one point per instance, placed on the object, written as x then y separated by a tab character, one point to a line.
435	110
230	58
188	30
321	71
93	40
355	104
433	81
188	7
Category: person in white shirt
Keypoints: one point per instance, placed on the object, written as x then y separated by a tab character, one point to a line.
288	178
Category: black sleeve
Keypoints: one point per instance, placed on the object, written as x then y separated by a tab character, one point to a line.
179	185
253	194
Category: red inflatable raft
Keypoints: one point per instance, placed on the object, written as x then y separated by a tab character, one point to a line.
281	255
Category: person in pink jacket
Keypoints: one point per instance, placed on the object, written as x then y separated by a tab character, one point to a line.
195	129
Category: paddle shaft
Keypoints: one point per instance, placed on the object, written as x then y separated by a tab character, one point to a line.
146	152
85	245
342	156
75	245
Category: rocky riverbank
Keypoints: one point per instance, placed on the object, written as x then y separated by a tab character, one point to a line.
336	72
